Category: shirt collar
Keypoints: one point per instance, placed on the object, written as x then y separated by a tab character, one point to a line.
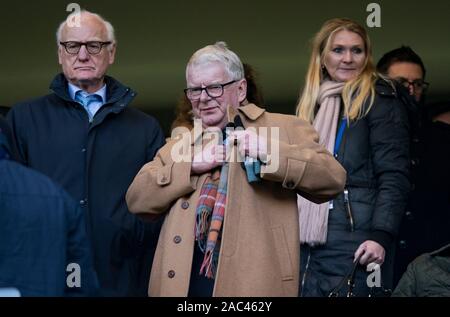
74	89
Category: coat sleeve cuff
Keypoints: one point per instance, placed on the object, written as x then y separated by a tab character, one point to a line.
382	237
287	171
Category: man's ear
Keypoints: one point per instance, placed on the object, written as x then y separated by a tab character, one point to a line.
59	54
112	53
242	90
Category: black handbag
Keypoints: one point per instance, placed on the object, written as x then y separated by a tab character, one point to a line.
349	280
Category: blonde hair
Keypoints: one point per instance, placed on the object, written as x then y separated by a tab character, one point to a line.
356	91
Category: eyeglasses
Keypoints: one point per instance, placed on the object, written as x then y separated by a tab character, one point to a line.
418	84
214	91
93	47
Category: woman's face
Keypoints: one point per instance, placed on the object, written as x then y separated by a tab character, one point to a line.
346	57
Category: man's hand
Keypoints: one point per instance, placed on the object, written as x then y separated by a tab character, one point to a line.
211	157
250	144
371	252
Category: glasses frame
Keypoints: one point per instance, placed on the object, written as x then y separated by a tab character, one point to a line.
402	81
64	44
186	91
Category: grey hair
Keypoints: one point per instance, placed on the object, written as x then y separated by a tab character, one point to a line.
109	28
218	52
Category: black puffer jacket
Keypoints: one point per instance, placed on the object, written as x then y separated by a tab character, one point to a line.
375	153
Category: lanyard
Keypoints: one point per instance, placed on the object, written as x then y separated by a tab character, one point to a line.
339	136
337	144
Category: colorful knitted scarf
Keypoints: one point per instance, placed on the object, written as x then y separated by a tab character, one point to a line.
210	214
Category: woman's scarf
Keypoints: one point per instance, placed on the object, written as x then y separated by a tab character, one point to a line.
313	217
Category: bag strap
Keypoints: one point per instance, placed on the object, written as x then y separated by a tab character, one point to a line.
348	279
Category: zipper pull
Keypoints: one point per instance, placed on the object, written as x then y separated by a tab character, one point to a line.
349	210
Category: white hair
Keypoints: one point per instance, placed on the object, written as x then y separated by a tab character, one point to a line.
218	52
109	28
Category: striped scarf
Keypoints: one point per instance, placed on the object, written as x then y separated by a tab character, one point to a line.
210	213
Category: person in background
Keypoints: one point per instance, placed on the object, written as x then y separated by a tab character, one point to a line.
44	247
424	224
404	66
427	276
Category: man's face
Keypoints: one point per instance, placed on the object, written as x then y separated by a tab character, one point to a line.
86	70
408	74
213	111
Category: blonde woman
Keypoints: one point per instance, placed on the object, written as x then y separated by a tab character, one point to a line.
360	119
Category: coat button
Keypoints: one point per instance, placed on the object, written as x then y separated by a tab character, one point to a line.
177	239
83	150
185	205
290	185
171	274
402	244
